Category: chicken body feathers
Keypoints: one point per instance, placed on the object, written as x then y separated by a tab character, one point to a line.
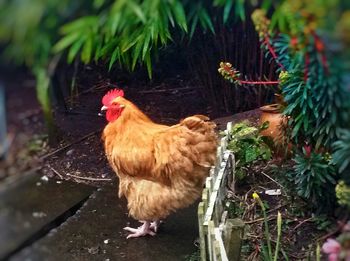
160	168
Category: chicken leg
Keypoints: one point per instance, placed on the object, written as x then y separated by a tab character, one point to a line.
155	225
141	231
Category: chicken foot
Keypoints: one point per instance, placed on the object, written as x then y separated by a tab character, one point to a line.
141	231
154	225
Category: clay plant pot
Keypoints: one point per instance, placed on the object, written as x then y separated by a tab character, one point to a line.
272	114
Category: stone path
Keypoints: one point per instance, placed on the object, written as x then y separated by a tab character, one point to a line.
29	207
36	227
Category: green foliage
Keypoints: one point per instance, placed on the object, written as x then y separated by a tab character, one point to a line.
235	209
248	145
318	105
43	83
341	147
131	31
296	16
28	30
124	31
343	194
322	222
314	176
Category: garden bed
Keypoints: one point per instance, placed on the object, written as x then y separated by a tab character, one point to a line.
266	181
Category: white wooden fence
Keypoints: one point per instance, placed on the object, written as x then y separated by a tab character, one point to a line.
220	237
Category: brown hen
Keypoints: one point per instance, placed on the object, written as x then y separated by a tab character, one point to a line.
160	168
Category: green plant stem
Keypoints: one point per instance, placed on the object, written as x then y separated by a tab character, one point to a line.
279	230
266	232
318	252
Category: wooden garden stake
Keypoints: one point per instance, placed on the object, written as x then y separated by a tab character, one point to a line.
233	235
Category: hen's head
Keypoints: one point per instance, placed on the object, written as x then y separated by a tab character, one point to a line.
113	104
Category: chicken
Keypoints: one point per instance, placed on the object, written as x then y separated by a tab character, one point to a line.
160	168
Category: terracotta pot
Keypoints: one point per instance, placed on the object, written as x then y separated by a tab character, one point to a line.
271	113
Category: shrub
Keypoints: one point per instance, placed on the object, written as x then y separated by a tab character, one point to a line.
248	145
315	178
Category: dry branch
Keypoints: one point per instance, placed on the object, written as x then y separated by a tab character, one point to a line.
88	178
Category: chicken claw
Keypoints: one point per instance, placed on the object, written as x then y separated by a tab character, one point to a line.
141	231
155	225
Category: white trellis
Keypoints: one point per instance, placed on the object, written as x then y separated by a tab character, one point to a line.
220	238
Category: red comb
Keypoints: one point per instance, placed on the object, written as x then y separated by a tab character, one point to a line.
111	95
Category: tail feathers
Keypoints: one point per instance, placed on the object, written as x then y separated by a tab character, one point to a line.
197	122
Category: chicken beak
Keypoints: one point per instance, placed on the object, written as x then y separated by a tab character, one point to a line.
103	109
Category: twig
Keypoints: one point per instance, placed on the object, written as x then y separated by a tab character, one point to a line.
276	208
53	64
74	112
56	172
253	236
69	145
168	90
88	178
267	176
260	219
93	88
302	222
258	82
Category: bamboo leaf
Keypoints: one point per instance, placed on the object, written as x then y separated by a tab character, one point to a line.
170	16
74	49
128	43
179	14
146	45
77	25
240	10
136	52
65	42
227	10
137	11
98	3
114	57
86	53
193	25
148	64
205	20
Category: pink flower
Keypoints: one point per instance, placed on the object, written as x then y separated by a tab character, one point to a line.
332	248
333	257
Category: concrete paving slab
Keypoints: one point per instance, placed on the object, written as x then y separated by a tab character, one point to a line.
95	232
31	205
